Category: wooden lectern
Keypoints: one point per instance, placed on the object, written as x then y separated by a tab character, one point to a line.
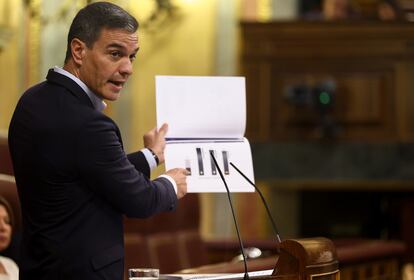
306	259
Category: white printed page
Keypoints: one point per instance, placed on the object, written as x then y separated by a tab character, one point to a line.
201	107
204	175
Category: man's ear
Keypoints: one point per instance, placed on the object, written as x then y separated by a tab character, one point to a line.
78	50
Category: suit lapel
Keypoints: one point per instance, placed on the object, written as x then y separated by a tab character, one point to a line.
75	89
72	86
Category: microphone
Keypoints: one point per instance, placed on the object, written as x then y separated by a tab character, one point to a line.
246	275
276	231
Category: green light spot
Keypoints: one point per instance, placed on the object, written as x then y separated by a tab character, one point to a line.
324	98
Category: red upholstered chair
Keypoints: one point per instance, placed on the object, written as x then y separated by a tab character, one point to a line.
172	242
168	241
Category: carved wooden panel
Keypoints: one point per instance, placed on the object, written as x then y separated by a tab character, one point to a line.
370	66
362	107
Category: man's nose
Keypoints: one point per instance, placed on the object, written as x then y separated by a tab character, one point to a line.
126	68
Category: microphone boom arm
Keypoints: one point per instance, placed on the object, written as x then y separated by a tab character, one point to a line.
264	203
246	275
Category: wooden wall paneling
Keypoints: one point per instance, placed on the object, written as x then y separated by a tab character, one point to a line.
257	98
404	87
362	102
364	59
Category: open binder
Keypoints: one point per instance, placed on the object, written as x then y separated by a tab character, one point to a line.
205	115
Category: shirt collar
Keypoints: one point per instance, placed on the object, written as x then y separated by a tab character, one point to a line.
97	102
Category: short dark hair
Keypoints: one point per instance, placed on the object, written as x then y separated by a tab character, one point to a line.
9	210
89	22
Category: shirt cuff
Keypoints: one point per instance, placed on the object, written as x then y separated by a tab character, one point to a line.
150	158
171	181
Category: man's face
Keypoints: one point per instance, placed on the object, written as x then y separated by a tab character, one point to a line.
108	64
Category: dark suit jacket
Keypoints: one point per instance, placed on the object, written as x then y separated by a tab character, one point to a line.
75	182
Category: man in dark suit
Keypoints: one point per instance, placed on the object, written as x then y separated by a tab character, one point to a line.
74	180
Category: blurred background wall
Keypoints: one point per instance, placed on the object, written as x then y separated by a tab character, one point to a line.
198	37
183	37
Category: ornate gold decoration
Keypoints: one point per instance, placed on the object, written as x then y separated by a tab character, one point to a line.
164	12
61	13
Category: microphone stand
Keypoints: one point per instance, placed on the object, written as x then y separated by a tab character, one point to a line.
246	275
276	231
